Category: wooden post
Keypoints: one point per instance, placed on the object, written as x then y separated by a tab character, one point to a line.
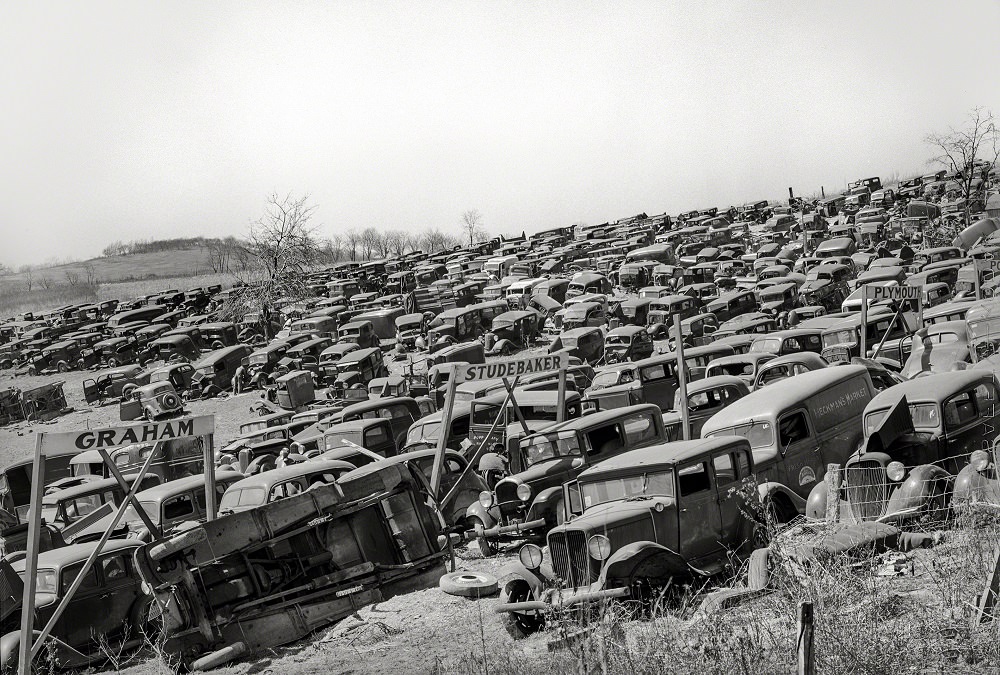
154	531
806	661
832	493
211	508
561	400
682	379
31	561
446	415
863	328
986	609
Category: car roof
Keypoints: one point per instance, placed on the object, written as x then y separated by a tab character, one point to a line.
936	387
664	454
170	488
715	381
781	395
67	555
268	478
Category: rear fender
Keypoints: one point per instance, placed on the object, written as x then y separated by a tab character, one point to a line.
972	487
643	559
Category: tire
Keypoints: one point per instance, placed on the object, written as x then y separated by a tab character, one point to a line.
520	626
469	584
32	372
112	363
128	389
171	401
217	345
486	547
63	367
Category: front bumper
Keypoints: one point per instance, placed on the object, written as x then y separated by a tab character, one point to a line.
561	600
513	531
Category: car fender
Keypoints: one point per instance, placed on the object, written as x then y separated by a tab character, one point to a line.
514	577
772	488
972	487
816	501
916	489
643	559
66	656
476	510
544	504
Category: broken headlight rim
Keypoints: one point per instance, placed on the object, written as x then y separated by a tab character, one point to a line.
895	471
486	499
980	460
530	556
599	547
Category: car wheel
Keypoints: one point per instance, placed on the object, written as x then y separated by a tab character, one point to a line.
32	372
486	547
128	389
112	363
63	367
521	625
148	414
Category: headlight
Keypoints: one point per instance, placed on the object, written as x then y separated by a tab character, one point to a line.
980	460
524	492
599	547
895	471
530	556
486	499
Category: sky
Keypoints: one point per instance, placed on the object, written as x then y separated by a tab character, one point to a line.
138	120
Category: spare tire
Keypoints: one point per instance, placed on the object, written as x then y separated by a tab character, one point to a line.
128	389
469	584
171	401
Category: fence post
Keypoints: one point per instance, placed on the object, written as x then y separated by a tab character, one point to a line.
832	493
807	665
987	608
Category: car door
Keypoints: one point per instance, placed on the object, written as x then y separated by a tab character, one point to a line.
727	483
87	603
120	592
699	516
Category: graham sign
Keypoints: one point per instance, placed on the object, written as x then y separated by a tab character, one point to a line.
511	368
899	293
111	437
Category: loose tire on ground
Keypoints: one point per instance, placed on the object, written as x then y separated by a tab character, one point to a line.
469	584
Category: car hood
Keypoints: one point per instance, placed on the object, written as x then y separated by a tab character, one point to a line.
602	516
546	469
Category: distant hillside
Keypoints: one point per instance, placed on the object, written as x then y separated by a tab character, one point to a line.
190	260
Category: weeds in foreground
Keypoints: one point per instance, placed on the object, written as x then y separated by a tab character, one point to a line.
869	619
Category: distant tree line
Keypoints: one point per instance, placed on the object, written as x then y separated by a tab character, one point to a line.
120	248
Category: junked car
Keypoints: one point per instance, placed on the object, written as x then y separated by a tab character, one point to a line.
634	524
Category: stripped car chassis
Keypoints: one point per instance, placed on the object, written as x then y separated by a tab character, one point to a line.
265	577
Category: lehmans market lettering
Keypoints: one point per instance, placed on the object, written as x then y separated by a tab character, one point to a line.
512	367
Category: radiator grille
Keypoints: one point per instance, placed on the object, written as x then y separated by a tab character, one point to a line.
867	490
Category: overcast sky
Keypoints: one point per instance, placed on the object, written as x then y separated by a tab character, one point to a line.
125	120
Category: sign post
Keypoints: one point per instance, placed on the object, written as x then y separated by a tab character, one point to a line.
682	379
89	439
983	266
898	294
446	415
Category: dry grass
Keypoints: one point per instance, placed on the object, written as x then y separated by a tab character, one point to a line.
864	623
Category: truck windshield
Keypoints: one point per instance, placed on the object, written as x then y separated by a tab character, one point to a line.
550	446
657	484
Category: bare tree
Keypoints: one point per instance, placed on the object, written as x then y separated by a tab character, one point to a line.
72	277
91	273
435	240
353	238
369	242
29	277
281	248
45	282
472	225
971	150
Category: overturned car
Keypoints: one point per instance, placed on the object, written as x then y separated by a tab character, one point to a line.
272	575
